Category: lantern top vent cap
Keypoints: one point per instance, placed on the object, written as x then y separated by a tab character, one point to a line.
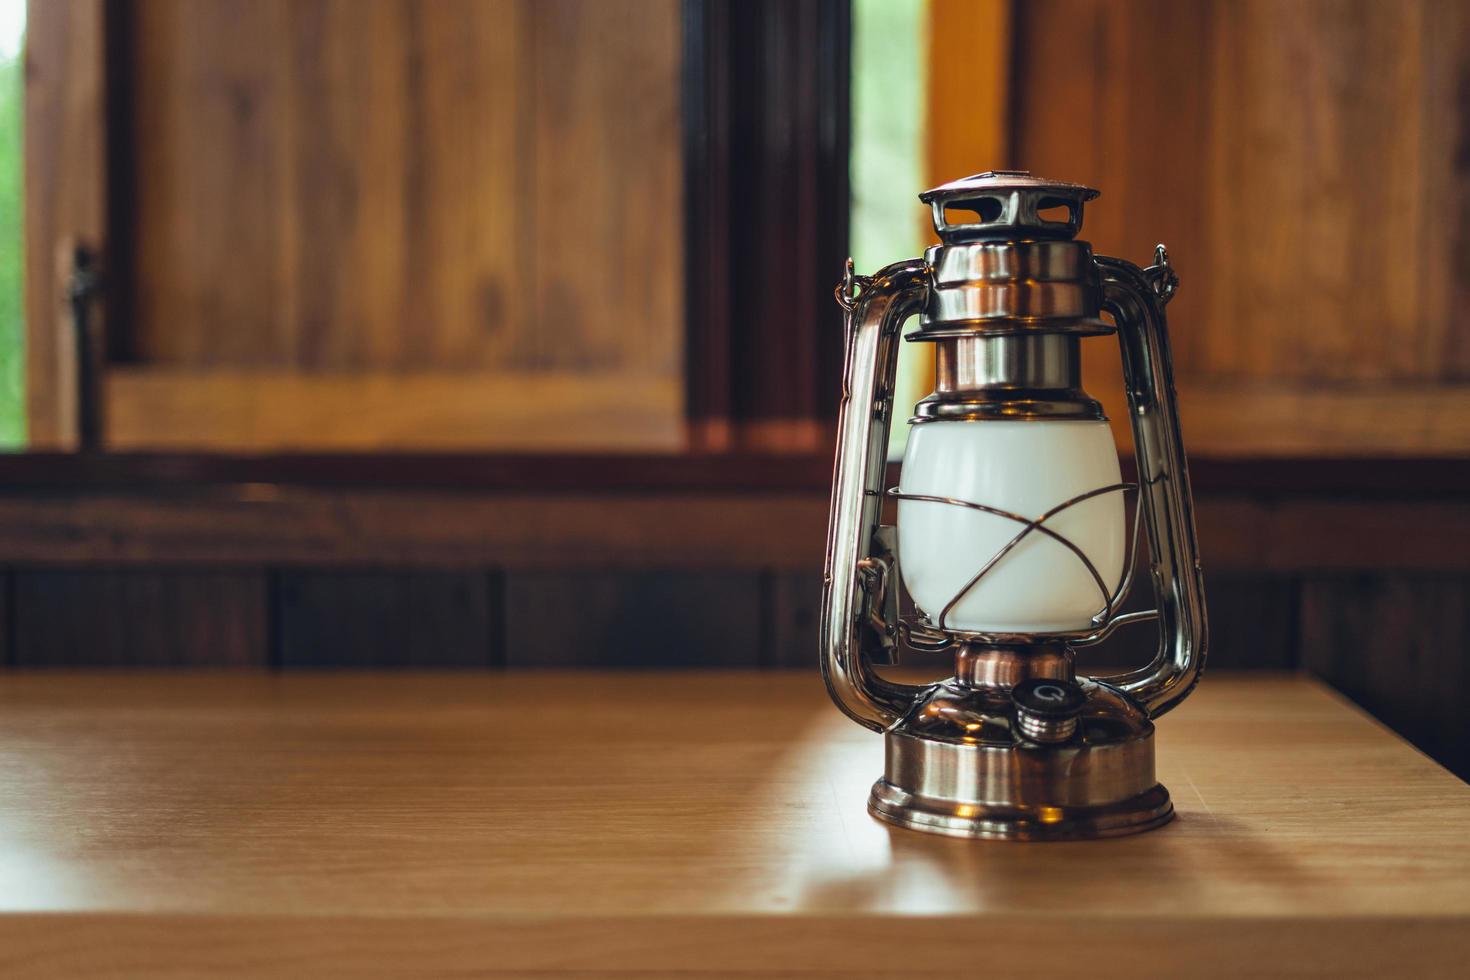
1007	205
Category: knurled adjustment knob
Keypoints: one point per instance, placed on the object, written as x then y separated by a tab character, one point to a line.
1047	710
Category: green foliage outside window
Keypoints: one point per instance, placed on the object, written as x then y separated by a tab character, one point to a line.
12	252
889	48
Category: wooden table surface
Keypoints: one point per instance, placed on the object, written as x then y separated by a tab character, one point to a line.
663	824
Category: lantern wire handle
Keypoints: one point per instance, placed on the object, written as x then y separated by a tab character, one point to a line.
1104	619
850	289
1161	275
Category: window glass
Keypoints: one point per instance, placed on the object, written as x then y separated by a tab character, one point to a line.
12	227
888	223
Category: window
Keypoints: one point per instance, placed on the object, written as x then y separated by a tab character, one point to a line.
889	74
12	246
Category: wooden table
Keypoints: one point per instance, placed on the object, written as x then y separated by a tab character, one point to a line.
375	825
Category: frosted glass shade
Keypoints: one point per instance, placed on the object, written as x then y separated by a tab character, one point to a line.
1025	467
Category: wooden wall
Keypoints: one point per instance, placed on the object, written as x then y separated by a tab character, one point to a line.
542	225
365	224
319	241
1305	164
370	225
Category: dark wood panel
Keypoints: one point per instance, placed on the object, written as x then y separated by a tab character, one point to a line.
139	618
7	618
268	524
264	525
1396	644
1253	625
794	609
766	157
1280	535
1252	620
551	473
383	619
1353	479
613	618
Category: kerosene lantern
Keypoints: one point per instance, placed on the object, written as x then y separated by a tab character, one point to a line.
1012	537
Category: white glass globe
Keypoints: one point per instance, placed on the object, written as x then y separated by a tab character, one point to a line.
1026	468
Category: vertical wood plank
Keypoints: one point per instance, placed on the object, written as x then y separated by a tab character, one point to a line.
794	607
968	119
208	150
387	619
65	199
1315	103
7	618
969	104
1446	188
1116	96
1395	643
708	313
768	90
139	618
470	218
605	204
365	184
633	619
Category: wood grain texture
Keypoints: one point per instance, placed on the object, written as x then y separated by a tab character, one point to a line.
380	826
376	619
1290	420
1303	164
257	411
331	190
633	619
1397	645
139	618
348	185
1267	478
264	523
65	199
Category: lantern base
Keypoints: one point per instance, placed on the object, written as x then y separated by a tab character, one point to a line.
957	767
1146	811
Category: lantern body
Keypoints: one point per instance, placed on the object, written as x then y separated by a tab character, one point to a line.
1026	468
1011	536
